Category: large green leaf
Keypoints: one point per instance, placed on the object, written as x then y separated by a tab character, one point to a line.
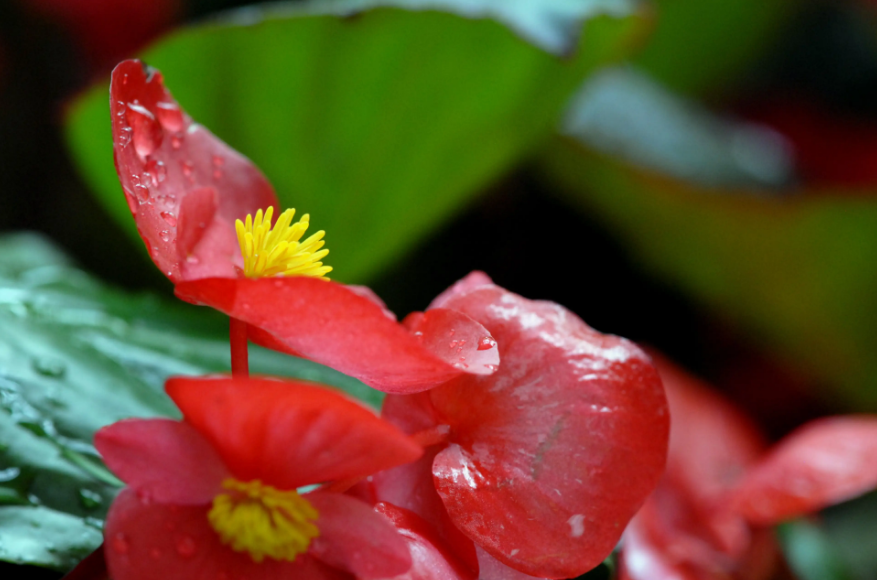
794	270
74	356
704	45
381	125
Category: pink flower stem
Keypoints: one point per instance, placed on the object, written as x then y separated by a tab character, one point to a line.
237	335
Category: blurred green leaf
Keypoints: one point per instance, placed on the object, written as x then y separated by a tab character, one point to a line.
810	553
850	528
704	45
380	125
795	271
75	356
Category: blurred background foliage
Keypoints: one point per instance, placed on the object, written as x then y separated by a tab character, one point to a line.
697	175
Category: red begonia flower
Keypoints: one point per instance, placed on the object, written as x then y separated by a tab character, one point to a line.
196	487
546	460
706	519
186	189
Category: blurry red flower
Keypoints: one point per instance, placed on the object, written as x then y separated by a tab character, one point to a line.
542	464
709	517
186	188
214	496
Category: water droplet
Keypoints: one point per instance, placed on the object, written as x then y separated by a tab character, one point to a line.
146	131
90	499
169	115
49	367
491	367
165	235
156	170
217	174
193	260
155	553
145	496
453	344
187	167
177	141
459	349
486	343
120	544
169	218
186	546
142	193
461	365
218	161
451	333
124	137
462	358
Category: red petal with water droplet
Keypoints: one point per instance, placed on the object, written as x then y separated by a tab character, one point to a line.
825	462
163	460
145	542
554	453
355	538
431	558
489	568
150	131
289	434
456	339
332	325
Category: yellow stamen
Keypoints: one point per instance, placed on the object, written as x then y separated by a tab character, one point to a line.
277	251
263	521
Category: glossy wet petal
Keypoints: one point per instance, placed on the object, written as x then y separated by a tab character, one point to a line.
162	159
555	452
164	460
330	324
289	434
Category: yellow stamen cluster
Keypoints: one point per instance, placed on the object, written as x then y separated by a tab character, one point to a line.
263	521
277	251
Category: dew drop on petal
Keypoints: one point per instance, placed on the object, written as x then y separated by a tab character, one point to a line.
461	365
486	343
169	218
186	546
156	170
491	367
177	141
146	132
165	235
169	115
218	161
119	544
217	174
142	193
187	167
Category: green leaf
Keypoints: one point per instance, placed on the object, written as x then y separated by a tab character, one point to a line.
704	45
810	553
75	356
794	271
382	125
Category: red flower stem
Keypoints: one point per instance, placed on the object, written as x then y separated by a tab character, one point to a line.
93	567
237	335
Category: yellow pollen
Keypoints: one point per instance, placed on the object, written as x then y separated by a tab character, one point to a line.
263	521
277	251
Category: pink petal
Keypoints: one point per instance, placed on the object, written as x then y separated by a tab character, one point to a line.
330	324
162	158
146	541
823	463
163	460
555	452
473	280
490	568
456	339
431	558
355	538
289	434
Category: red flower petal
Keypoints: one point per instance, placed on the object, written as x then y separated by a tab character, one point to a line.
431	558
555	452
825	462
355	538
456	339
289	434
330	324
162	159
147	541
163	460
490	568
471	281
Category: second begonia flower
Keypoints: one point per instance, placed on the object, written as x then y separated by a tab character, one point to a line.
538	468
187	189
220	494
